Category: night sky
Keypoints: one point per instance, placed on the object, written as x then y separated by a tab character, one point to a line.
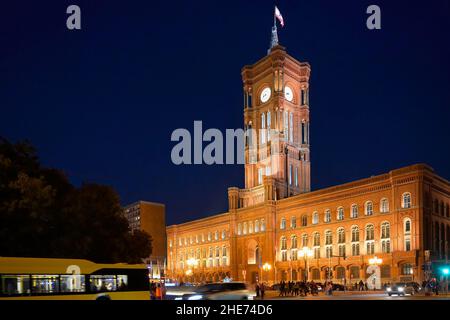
101	103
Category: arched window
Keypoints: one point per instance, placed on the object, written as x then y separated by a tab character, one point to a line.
406	200
283	224
370	243
369	208
315	273
263	128
250	227
340	273
385	271
354	211
341	235
304	240
407	234
268	125
263	225
283	249
327	216
354	272
239	230
216	235
340	213
370	232
283	243
316	239
224	234
293	222
294	247
328	237
315	219
385	230
442	208
257	226
385	237
436	206
294	244
245	228
304	220
384	205
355	234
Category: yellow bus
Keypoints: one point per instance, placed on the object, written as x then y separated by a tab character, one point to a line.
72	279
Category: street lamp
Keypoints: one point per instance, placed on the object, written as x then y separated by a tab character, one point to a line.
306	253
266	267
375	261
192	263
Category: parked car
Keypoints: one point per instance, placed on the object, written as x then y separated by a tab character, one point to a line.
338	287
220	291
403	288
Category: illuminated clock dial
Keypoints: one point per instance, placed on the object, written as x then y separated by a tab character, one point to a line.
288	94
265	95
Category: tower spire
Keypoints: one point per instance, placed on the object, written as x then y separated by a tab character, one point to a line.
274	38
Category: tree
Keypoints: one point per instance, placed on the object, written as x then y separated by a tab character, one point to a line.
43	215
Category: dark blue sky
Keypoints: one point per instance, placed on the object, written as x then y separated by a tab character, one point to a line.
101	103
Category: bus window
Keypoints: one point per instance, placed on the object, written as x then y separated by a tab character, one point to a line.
73	283
108	282
44	283
15	284
122	282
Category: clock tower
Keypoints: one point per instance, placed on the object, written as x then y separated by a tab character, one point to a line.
276	120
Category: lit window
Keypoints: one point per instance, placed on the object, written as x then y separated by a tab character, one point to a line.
260	176
293	222
327	217
369	208
315	219
340	213
283	224
406	200
304	220
384	205
354	211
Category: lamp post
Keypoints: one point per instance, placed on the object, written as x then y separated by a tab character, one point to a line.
375	261
192	263
266	267
306	253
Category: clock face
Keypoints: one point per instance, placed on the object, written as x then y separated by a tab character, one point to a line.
265	95
288	94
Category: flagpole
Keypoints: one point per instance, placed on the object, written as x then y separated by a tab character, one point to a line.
274	18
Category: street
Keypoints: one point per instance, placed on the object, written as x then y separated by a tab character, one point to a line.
356	296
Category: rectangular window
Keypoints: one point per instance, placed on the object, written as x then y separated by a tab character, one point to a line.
290	174
407	244
15	284
73	283
291	127
296	176
260	176
286	125
316	253
44	284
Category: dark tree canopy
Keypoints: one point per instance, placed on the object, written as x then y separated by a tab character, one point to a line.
43	215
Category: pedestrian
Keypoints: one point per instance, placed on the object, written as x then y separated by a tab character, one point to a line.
257	289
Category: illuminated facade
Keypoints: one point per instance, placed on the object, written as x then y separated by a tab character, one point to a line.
380	229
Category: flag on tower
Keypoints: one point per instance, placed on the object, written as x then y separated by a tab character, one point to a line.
279	16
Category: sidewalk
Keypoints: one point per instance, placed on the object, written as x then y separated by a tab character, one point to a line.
272	294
